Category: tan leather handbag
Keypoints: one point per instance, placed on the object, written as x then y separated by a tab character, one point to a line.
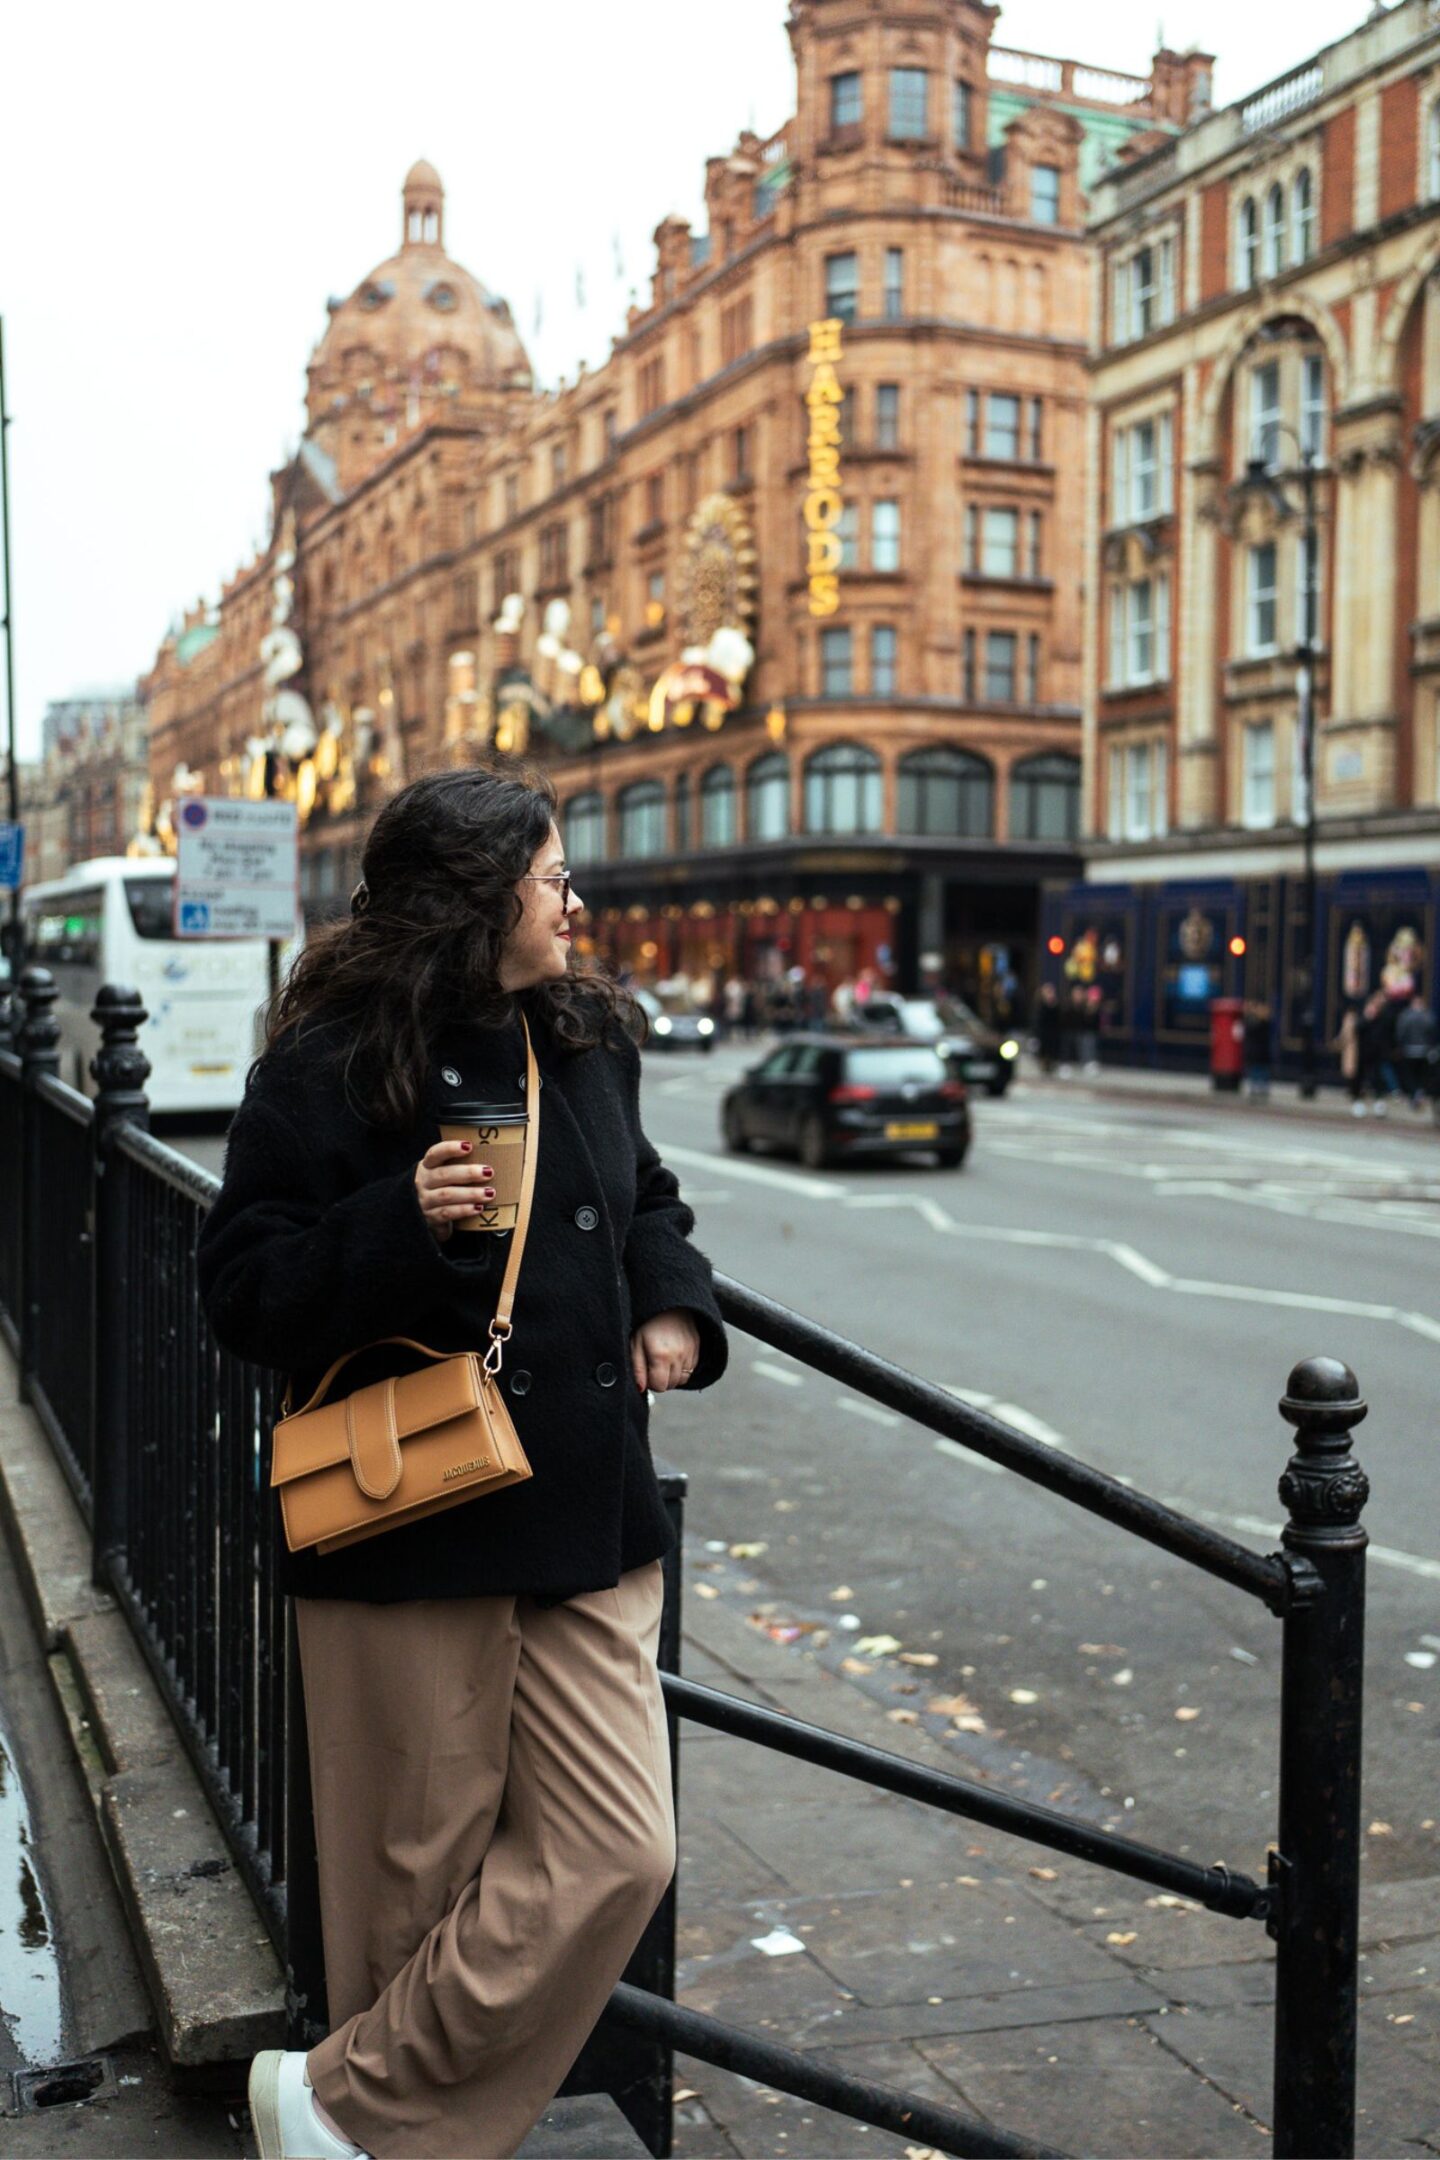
407	1447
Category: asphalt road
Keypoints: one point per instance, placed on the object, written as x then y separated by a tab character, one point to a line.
1132	1283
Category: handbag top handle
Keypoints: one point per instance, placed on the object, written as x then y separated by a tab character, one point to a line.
501	1327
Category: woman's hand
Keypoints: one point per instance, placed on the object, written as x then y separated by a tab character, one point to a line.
449	1186
665	1351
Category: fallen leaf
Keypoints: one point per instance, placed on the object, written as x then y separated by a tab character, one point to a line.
1119	1938
842	1596
1166	1902
971	1882
918	1657
1381	1829
922	2152
855	1665
878	1645
748	1552
685	2092
1122	1678
950	1705
903	1717
969	1724
1407	2019
1186	1713
1023	1695
706	1589
1045	1874
1100	1649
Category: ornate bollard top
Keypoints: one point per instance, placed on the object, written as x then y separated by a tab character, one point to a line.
38	1035
1322	1485
119	1066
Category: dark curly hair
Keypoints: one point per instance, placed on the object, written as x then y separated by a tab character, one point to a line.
439	895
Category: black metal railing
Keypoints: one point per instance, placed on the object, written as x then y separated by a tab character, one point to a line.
166	1451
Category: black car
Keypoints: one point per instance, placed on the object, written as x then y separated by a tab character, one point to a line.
674	1025
977	1052
833	1099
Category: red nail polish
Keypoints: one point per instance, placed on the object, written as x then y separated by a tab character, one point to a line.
465	1146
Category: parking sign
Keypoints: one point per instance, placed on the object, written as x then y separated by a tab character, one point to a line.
236	868
12	856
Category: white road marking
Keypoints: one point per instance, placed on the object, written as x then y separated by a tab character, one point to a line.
968	1455
859	1408
781	1373
754	1173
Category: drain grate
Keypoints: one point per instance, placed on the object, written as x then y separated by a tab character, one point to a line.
72	2084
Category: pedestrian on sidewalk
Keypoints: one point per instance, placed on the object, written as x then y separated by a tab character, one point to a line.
1259	1021
1048	1027
1347	1043
1415	1037
488	1745
1378	1079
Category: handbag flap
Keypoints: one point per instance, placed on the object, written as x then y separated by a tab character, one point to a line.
315	1439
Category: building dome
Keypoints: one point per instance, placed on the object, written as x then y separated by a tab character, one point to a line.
415	335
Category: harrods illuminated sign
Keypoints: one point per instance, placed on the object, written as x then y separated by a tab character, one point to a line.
824	503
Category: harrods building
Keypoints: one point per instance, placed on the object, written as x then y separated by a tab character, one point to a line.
786	594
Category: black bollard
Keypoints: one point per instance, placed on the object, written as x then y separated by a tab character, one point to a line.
119	1069
1316	1871
38	1042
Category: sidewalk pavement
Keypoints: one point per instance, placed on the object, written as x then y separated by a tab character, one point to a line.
890	1939
1137	1083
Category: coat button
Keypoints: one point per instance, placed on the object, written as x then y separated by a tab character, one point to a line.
606	1375
586	1218
520	1382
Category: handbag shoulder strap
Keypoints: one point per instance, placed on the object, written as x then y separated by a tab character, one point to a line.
501	1327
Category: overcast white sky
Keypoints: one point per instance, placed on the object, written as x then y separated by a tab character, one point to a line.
181	187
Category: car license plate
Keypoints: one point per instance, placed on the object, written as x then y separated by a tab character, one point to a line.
912	1132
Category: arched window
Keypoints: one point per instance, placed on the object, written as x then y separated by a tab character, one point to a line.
642	819
584	821
767	797
1275	231
717	807
842	790
1247	242
1045	797
947	792
1302	216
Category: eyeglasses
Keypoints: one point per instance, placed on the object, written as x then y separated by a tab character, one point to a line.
560	878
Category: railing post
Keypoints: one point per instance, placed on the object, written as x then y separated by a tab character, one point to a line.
119	1069
1316	1871
39	1045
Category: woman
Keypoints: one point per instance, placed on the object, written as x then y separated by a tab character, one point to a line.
487	1734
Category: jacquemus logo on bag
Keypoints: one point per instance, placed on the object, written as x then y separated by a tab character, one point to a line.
478	1462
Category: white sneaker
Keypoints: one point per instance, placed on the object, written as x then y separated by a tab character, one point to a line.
282	2111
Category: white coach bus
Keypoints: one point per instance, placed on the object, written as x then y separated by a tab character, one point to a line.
110	921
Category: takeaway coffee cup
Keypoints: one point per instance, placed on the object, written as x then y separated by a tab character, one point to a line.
498	1132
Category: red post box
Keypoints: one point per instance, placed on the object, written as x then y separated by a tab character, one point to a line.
1227	1041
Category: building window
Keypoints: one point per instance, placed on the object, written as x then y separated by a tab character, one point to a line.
1144	292
717	807
585	829
946	794
909	103
842	286
882	660
1265	413
847	532
650	382
887	416
885	536
847	101
655	498
611	429
1260	599
968	667
682	814
1037	436
1032	668
642	819
1045	797
1257	773
836	676
972	423
737	333
512	495
767	797
1033	558
1312	406
1002	426
1275	232
1000	657
1139	632
1000	551
1140	665
1307	590
1045	194
894	283
740	464
1302	215
1143	768
1247	242
960	107
843	790
558	464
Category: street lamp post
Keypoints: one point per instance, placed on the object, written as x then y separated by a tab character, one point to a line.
1261	478
13	776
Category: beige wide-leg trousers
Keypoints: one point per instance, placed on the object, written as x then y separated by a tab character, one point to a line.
495	1828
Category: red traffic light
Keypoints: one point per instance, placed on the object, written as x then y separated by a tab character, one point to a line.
1055	945
1237	948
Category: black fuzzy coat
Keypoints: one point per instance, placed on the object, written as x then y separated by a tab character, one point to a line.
316	1245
